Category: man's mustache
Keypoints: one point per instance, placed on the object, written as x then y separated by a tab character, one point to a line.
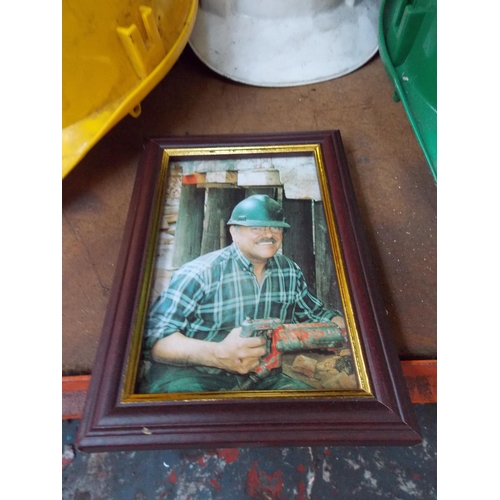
267	240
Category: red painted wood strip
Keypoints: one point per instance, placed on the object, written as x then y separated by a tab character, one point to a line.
420	376
75	383
421	379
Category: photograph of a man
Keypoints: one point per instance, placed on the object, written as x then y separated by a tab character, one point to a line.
193	332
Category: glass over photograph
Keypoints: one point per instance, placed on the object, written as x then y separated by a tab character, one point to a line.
244	293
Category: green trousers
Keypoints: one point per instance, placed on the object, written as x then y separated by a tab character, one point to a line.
163	378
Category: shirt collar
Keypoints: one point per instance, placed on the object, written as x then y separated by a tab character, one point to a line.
244	262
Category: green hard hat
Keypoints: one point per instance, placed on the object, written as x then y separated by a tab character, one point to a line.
258	210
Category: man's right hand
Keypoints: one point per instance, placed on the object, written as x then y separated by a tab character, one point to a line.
234	354
238	354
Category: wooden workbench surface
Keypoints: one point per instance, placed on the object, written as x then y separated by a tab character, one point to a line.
394	186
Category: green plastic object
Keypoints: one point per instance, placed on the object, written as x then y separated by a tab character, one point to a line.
408	49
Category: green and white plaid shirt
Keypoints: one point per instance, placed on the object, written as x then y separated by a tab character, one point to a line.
214	293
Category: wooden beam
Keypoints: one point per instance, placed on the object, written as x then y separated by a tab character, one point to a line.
189	229
224	177
220	204
249	178
195	178
298	240
327	285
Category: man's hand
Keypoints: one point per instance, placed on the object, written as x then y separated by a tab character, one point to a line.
239	355
234	354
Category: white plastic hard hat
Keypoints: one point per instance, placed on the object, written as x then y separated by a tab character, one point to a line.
282	43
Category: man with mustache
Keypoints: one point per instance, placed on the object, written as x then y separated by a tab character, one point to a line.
193	332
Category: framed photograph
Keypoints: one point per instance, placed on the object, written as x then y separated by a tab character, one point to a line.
245	310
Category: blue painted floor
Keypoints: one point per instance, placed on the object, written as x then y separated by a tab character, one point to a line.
355	472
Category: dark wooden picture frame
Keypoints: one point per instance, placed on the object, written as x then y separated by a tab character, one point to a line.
379	411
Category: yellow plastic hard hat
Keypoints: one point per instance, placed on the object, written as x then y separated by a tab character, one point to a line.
114	53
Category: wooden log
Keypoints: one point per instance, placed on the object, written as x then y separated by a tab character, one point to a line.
327	286
248	178
189	228
220	204
298	240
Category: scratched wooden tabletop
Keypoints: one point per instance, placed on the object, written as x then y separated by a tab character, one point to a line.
392	181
